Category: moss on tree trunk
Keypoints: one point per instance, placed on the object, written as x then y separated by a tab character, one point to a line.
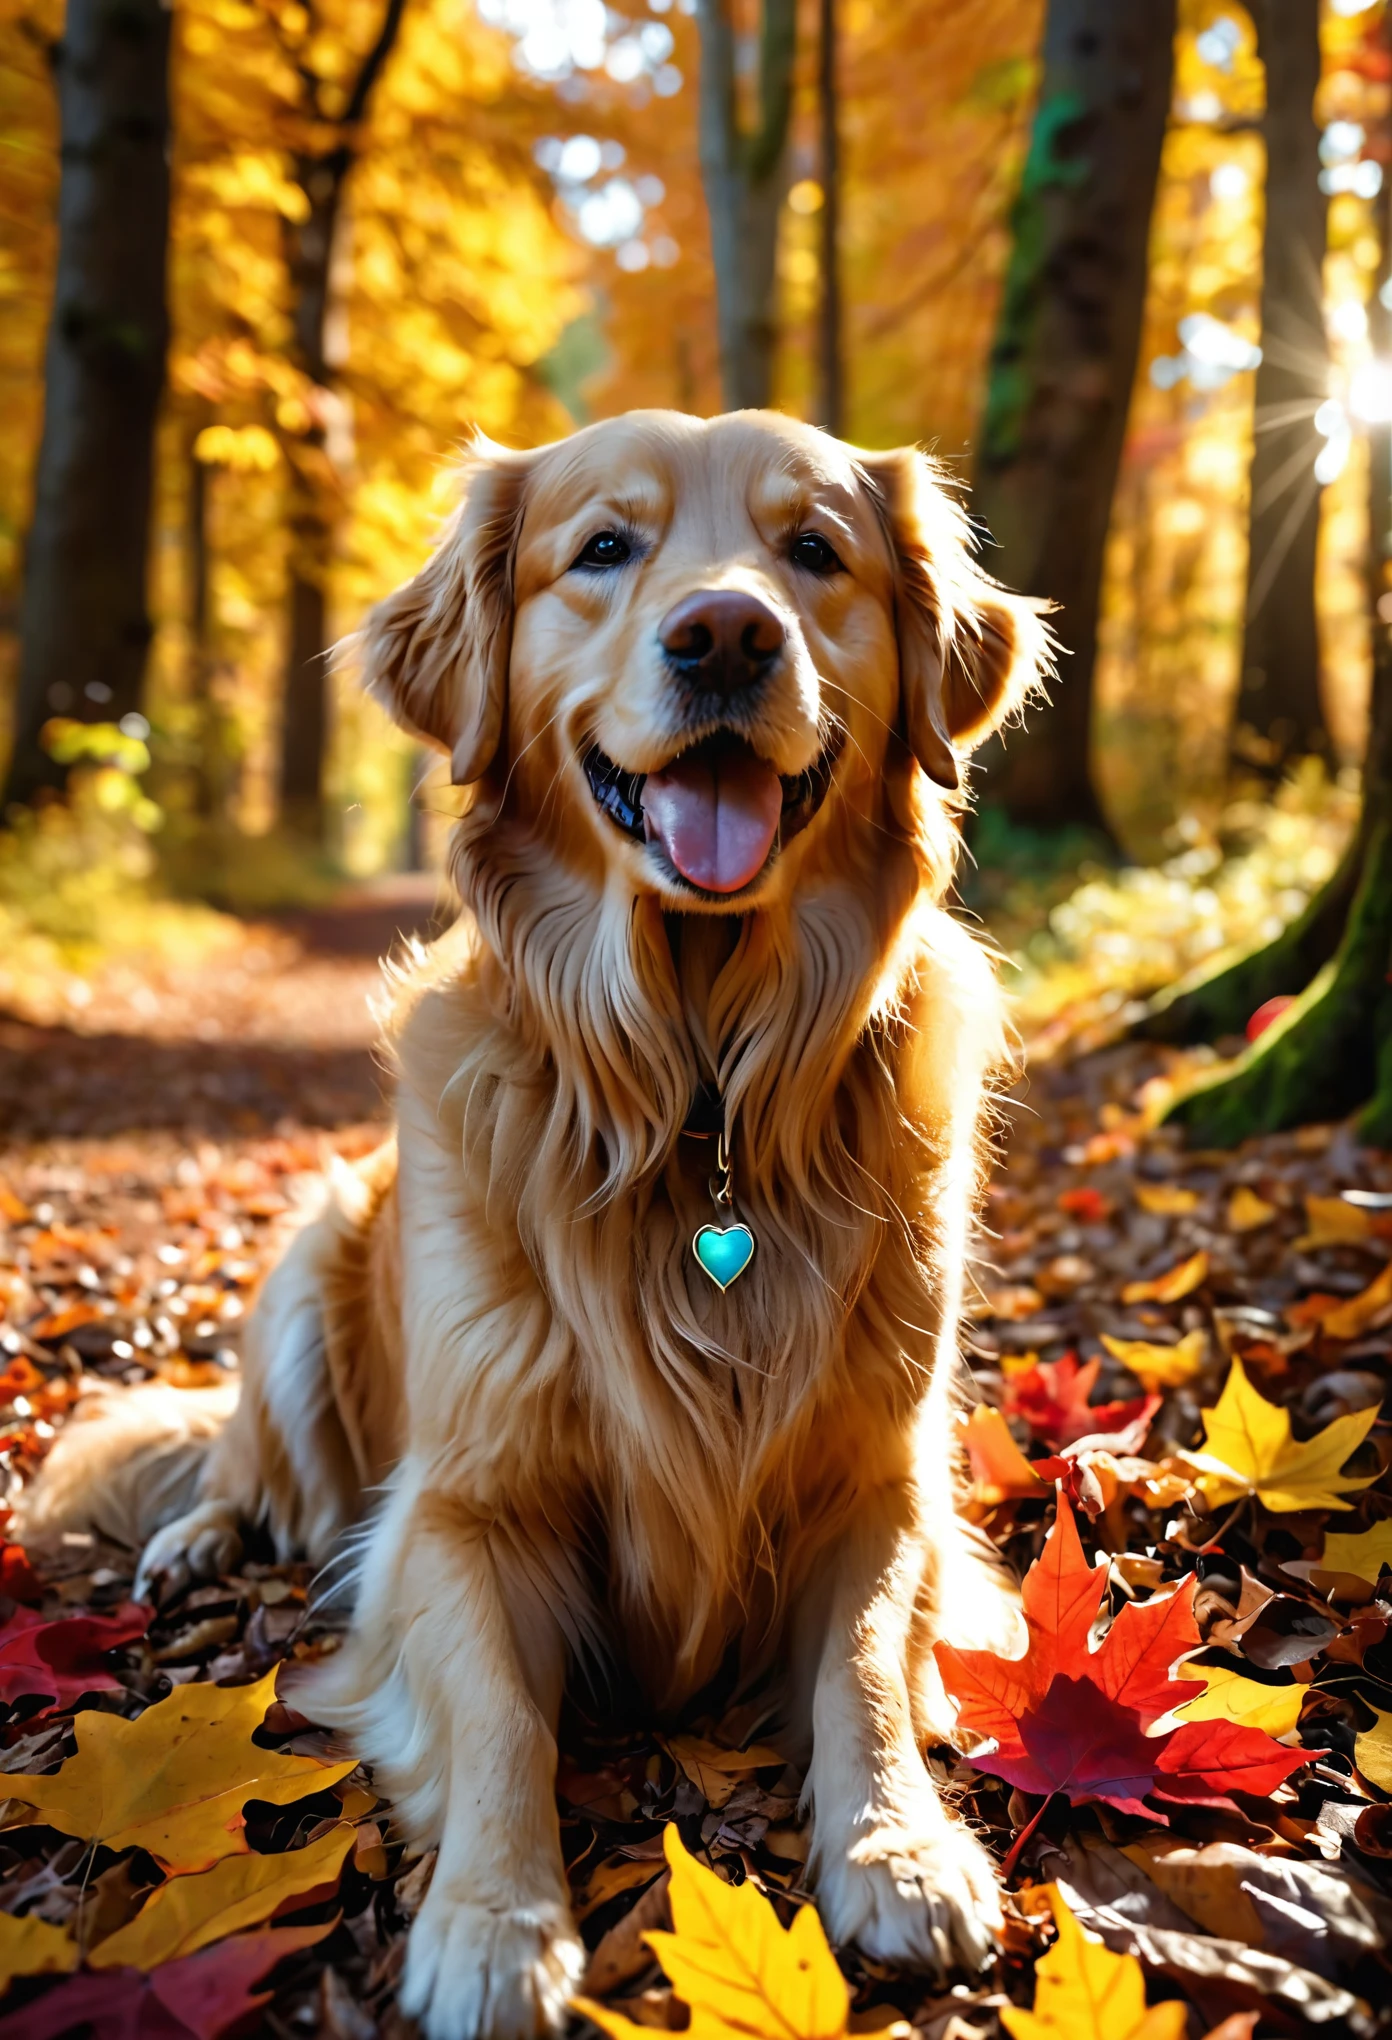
1331	1051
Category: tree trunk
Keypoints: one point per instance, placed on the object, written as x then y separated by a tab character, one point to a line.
829	333
744	176
1331	1050
1278	714
1064	362
85	627
314	488
305	709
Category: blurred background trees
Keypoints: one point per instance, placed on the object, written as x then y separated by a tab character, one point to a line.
1119	266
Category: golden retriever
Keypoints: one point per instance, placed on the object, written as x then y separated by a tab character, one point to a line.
710	683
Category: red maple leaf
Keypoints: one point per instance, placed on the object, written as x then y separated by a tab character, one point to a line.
63	1660
1066	1718
1052	1397
197	1997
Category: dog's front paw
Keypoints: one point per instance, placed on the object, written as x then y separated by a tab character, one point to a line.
918	1896
199	1546
477	1974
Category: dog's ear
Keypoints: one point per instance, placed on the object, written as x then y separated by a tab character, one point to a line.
970	652
435	654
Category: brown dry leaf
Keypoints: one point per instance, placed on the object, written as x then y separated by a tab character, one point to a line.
619	1873
174	1781
1014	1301
1175	1284
622	1953
714	1770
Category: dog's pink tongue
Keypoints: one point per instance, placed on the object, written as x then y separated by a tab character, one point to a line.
716	821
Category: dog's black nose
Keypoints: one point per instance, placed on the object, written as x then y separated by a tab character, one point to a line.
721	638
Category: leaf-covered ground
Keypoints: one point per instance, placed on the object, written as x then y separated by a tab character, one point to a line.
1192	1349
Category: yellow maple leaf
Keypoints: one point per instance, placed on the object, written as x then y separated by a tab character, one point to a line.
33	1947
741	1973
1157	1367
1082	1991
1250	1451
1166	1200
1362	1557
1174	1284
174	1780
1227	1696
1372	1752
1247	1212
187	1913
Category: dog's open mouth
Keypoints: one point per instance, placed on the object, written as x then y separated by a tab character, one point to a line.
715	811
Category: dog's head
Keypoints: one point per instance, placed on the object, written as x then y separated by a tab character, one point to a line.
678	649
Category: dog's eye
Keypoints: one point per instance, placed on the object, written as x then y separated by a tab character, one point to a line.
605	549
811	550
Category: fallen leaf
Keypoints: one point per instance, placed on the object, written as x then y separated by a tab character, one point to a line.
622	1952
714	1770
1229	1697
1362	1556
1000	1470
175	1779
1372	1751
1330	1222
1250	1451
1014	1301
1361	1313
197	1998
1247	1212
63	1660
186	1913
1069	1719
17	1577
1166	1200
1176	1283
1159	1367
741	1973
1082	1991
1052	1399
33	1947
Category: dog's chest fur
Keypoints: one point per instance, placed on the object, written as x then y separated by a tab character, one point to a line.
670	1459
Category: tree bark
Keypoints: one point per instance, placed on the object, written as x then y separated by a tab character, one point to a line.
1331	1050
829	323
744	177
85	627
1278	715
313	512
1064	362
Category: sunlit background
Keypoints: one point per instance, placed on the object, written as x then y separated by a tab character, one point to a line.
523	245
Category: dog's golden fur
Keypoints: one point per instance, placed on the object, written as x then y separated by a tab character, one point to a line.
589	1452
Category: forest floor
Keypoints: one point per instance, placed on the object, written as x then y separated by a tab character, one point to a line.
152	1158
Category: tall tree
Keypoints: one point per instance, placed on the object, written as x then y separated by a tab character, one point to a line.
334	111
1279	701
1064	362
1330	1050
85	627
744	173
828	103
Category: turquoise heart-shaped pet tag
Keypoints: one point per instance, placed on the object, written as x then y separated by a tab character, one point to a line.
724	1252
